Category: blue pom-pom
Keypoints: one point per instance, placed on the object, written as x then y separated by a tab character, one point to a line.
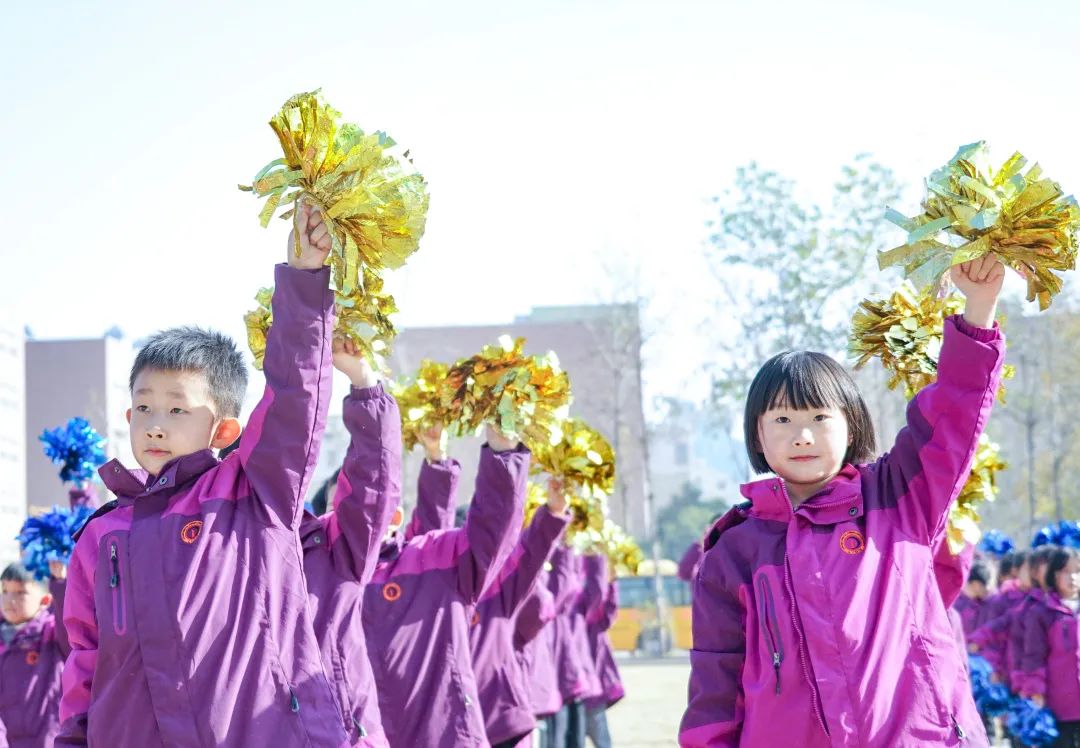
1031	725
1063	533
995	700
997	543
76	447
48	537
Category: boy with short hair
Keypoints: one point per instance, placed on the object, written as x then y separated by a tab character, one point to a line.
187	608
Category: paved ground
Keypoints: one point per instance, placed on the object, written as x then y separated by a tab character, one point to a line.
655	698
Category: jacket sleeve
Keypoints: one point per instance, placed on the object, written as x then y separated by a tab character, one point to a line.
564	583
369	485
1029	678
537	611
931	459
688	563
80	623
991	639
715	707
58	590
594	588
609	610
436	498
83	496
519	574
280	446
494	520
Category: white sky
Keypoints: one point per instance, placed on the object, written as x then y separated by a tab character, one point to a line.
550	133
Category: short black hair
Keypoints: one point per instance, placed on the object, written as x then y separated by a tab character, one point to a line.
1059	559
194	349
980	572
1011	563
460	515
16	572
320	501
803	380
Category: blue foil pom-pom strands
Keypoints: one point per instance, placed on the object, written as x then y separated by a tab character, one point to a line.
77	448
996	543
1031	725
49	537
1066	534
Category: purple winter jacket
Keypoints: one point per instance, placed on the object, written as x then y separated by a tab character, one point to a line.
533	640
418	607
30	667
688	564
812	624
599	618
436	498
500	680
578	680
1049	662
186	606
992	634
83	496
341	549
970	610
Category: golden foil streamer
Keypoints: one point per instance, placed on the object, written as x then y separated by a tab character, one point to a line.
524	396
583	458
1021	217
622	551
419	403
373	202
981	486
258	322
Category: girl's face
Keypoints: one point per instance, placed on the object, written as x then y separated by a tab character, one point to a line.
804	447
21	602
1067	580
1023	576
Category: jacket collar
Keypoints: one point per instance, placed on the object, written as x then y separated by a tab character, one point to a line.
312	532
839	501
129	484
1053	601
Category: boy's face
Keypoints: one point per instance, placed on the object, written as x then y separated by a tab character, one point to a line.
976	590
21	602
172	415
804	447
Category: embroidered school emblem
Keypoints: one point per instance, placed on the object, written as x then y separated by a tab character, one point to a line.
32	657
852	542
190	531
391	592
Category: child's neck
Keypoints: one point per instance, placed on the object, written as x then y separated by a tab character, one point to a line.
797	493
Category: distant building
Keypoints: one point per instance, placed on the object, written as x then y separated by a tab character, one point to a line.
67	378
12	440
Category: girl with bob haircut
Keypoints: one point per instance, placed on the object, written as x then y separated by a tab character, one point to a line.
818	615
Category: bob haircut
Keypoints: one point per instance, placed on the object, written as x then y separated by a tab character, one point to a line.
1058	560
804	380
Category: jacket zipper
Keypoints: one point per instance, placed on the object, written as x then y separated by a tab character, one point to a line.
770	624
119	621
815	697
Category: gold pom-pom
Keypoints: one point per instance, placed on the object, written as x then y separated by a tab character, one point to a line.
372	201
1021	217
582	458
981	486
904	331
419	403
587	516
258	322
622	551
524	396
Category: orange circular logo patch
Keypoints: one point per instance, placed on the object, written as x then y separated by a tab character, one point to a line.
32	657
852	542
191	531
391	592
475	618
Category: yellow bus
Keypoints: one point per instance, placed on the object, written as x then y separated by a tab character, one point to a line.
637	627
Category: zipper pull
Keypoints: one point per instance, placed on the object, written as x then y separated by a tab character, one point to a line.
359	728
114	580
294	703
959	730
776	667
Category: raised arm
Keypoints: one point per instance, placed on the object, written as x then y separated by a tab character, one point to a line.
369	485
281	445
537	611
520	572
436	497
494	520
563	582
604	617
594	581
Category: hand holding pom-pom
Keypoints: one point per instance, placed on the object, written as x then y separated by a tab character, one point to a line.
499	441
980	281
311	235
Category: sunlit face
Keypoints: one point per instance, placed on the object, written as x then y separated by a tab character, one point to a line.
1039	574
171	415
1067	580
804	447
1023	576
21	602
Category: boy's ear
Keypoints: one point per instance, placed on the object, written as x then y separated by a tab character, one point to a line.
128	416
226	433
398	517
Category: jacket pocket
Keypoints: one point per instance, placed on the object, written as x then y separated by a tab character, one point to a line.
116	588
770	625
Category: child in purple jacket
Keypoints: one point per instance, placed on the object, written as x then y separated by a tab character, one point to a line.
817	610
186	606
419	605
341	546
578	679
600	601
1049	663
33	647
976	591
